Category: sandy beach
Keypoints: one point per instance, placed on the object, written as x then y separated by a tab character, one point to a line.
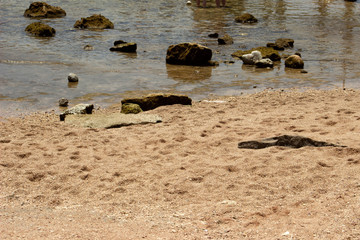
186	178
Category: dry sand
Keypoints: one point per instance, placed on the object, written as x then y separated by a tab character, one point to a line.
185	178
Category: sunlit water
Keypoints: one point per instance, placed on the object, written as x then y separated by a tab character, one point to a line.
33	71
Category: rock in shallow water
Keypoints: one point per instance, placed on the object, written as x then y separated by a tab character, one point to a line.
40	30
72	77
43	10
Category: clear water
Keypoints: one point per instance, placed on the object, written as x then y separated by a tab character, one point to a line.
33	71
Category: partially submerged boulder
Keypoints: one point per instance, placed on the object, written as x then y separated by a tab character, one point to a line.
43	10
40	30
153	101
264	63
294	61
246	18
226	39
189	54
266	52
122	46
96	21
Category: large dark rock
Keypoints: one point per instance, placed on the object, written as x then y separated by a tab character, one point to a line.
294	61
122	46
189	54
96	21
266	52
43	10
226	39
286	141
246	18
153	101
40	30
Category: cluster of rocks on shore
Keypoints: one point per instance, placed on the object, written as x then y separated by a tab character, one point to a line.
192	54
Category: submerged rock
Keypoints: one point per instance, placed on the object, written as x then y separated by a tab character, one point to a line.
282	43
294	61
246	18
40	30
88	47
43	10
189	54
96	21
286	141
122	46
266	52
226	39
213	35
153	101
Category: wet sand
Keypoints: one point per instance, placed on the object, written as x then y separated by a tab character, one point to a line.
185	178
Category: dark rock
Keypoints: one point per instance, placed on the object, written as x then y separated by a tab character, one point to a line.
189	54
303	71
122	46
63	102
246	18
294	61
286	141
113	120
40	30
266	52
213	35
130	108
281	44
95	21
43	10
226	39
153	101
72	77
264	63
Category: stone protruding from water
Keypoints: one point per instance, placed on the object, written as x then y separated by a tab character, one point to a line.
285	141
246	18
122	46
72	77
266	52
282	43
153	101
189	54
40	30
225	40
294	61
96	21
44	10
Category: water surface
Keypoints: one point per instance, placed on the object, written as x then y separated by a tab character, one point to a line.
34	70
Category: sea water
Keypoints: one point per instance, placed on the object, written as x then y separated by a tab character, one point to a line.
33	70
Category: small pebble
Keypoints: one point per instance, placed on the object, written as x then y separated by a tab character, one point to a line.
73	78
63	102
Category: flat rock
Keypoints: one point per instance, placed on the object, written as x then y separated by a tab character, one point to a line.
113	120
153	101
43	10
285	141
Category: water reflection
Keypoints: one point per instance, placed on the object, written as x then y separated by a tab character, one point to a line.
188	74
73	84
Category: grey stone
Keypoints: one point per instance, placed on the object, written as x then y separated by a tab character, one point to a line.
63	102
81	108
264	63
113	120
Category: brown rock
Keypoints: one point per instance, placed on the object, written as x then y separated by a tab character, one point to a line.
43	10
96	21
246	18
153	101
189	54
294	61
226	39
40	30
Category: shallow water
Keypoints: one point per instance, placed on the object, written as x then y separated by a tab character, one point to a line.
34	70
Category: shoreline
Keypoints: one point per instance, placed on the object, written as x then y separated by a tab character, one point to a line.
185	178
